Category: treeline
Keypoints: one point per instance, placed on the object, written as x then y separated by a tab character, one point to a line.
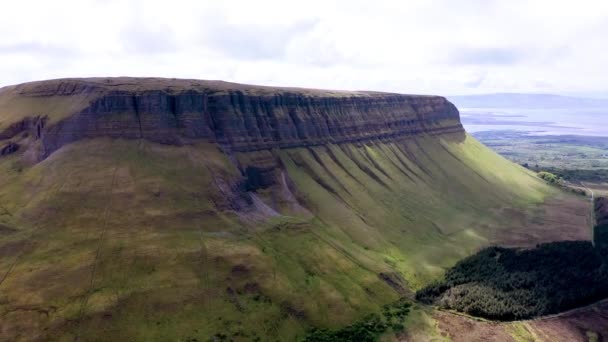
600	236
573	175
600	231
511	284
549	177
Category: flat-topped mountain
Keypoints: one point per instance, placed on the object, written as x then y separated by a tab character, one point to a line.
159	209
237	116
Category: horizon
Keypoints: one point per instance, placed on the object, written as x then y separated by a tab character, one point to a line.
584	96
418	47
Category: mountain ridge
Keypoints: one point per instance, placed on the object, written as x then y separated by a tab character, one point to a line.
239	117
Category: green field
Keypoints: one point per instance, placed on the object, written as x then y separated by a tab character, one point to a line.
131	240
579	162
568	152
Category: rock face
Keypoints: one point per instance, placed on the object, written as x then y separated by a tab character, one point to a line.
8	149
238	117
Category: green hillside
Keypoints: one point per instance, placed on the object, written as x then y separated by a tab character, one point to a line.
131	240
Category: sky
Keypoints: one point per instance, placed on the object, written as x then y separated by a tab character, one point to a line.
445	47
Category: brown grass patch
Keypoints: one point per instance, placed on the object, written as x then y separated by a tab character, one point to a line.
572	326
463	329
563	218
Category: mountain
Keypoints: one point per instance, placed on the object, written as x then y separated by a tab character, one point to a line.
236	117
514	100
163	209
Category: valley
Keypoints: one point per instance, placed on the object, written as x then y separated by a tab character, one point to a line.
568	157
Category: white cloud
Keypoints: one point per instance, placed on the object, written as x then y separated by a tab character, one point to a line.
414	46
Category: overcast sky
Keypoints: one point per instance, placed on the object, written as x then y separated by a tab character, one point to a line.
443	47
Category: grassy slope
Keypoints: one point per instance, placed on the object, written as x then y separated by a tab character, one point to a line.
126	239
16	107
421	205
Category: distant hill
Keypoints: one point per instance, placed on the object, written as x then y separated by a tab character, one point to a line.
514	100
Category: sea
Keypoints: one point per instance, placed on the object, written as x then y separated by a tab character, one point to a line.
560	121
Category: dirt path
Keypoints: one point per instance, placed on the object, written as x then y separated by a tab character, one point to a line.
582	324
588	323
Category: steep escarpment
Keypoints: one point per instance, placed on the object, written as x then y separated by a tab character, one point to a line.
156	209
240	118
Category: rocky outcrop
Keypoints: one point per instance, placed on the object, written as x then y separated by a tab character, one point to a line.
29	125
9	148
238	117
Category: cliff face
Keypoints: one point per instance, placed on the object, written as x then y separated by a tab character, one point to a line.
238	117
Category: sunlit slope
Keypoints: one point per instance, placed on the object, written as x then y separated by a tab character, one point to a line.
420	204
114	239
